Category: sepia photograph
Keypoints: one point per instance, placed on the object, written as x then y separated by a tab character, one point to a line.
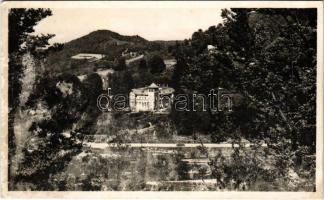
167	96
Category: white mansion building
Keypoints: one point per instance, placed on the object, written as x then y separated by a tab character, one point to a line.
152	98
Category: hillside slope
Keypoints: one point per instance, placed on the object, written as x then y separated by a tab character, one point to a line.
105	42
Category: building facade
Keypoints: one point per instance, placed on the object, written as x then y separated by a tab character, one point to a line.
152	98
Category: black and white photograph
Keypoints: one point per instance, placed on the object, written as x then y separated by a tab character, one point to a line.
215	98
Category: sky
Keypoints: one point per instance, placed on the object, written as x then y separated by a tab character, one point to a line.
152	24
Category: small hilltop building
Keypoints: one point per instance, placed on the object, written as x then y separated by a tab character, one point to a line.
91	57
211	49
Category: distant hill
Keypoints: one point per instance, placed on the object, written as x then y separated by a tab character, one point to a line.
105	42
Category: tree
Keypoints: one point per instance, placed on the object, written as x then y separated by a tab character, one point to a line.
56	47
93	86
92	89
274	78
156	65
51	141
239	31
21	22
142	66
268	66
121	82
200	40
121	64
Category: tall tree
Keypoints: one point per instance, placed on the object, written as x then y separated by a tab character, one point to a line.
156	65
21	24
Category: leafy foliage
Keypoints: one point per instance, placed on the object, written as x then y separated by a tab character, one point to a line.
268	58
21	22
156	64
266	55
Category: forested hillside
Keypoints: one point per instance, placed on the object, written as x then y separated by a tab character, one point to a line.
104	42
268	57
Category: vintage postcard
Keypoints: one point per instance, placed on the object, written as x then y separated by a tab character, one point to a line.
162	100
